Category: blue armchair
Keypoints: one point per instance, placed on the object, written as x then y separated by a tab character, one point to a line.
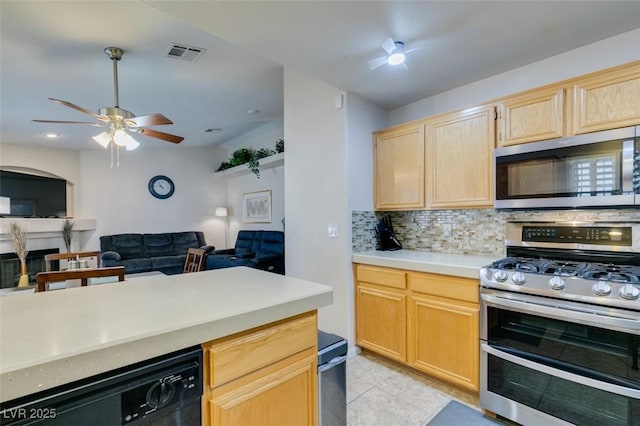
256	249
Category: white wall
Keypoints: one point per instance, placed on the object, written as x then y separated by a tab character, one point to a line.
593	57
316	192
363	118
271	179
119	199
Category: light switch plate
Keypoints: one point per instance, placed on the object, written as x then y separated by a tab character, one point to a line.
332	230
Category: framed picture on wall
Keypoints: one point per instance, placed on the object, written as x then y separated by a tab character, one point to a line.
256	207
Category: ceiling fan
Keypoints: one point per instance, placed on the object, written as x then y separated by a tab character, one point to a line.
396	54
119	122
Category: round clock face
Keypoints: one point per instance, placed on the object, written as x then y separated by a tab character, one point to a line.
161	187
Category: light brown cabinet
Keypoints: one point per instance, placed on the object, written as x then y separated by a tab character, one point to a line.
426	321
607	100
602	100
532	116
399	168
443	328
381	311
263	376
460	158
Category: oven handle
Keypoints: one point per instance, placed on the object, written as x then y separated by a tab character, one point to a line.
586	381
594	316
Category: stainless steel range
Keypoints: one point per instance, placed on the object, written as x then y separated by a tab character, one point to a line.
560	325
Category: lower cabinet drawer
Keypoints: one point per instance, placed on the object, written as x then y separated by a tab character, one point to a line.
235	356
457	288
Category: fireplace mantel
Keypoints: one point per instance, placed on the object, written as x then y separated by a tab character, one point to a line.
40	232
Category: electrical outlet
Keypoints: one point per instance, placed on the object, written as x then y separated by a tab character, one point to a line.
332	230
446	230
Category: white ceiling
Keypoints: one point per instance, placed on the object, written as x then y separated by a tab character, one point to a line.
55	49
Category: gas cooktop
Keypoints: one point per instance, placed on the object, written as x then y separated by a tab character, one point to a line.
593	263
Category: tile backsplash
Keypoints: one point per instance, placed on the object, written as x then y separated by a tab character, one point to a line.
470	231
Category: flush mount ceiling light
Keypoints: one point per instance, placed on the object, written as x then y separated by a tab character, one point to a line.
397	57
120	122
396	54
51	135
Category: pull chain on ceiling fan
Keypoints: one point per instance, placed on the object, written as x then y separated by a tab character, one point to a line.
119	122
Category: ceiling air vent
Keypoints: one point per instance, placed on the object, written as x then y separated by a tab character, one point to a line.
184	52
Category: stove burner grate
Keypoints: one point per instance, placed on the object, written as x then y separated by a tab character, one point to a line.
591	271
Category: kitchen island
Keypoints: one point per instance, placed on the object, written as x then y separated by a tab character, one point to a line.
56	337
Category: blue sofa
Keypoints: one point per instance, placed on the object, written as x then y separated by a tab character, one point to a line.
165	252
256	249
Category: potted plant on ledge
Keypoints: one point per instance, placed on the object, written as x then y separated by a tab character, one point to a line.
19	239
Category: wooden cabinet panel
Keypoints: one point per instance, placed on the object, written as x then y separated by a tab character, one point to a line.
265	376
381	320
399	168
443	340
282	395
464	289
258	348
533	116
607	100
381	276
460	152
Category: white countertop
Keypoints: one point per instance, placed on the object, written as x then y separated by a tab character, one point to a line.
459	265
55	337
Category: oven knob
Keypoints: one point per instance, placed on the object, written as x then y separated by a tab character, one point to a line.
628	291
556	283
518	278
500	276
601	289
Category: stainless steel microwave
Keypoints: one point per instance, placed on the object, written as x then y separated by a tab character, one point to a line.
597	169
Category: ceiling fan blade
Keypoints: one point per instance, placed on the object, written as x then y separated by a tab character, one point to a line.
161	135
377	62
389	45
78	108
404	65
148	120
90	123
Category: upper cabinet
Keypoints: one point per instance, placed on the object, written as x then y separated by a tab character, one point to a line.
607	100
532	116
460	158
399	168
603	100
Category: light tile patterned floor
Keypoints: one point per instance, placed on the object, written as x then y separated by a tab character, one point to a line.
381	393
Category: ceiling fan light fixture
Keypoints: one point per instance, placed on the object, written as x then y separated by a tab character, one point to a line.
103	139
122	138
396	58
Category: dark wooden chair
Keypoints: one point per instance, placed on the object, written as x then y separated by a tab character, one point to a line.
44	278
195	260
70	256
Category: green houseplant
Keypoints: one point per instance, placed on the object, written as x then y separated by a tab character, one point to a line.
251	157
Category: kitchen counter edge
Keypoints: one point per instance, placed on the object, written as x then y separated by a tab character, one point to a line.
457	265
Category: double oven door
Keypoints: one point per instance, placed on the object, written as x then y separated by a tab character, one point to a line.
545	361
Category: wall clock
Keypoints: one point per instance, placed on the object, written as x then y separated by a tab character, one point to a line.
161	187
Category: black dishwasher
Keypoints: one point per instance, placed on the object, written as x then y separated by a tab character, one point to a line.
162	391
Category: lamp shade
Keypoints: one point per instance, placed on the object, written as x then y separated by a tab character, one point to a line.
221	211
103	139
122	138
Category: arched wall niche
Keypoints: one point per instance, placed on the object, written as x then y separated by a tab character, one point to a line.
43	173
